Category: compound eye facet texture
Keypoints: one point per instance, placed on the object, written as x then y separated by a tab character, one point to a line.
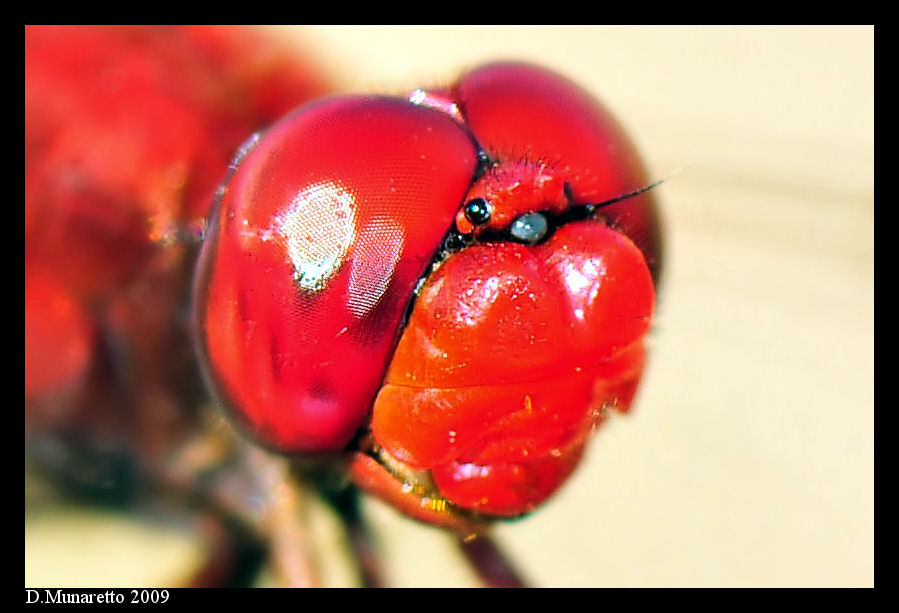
312	254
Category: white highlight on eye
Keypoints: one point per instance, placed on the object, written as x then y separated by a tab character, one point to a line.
421	97
319	226
381	244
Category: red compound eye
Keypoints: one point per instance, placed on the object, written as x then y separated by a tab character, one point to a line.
485	207
315	249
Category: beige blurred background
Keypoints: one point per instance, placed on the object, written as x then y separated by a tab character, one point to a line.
749	459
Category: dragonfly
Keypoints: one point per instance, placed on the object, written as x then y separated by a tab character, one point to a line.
118	409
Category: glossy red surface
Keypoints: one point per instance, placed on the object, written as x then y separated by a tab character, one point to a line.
323	232
534	122
510	355
512	351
